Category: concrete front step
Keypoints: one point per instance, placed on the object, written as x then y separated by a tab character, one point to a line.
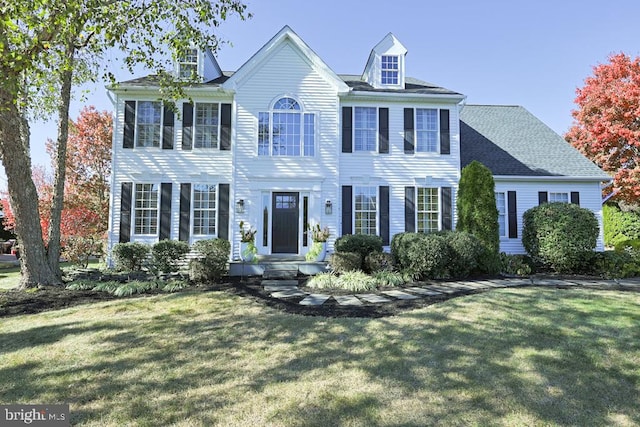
258	269
279	274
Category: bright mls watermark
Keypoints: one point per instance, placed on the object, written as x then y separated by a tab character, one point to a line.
35	415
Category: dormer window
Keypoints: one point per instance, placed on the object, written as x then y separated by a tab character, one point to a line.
390	70
188	65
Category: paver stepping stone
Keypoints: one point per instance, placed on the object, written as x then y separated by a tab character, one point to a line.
271	282
459	285
275	288
373	298
315	299
548	282
444	289
400	294
424	291
517	282
288	293
493	283
476	285
347	300
629	282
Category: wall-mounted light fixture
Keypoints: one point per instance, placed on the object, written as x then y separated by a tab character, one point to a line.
328	207
240	206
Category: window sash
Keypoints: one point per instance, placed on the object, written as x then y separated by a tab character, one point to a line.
188	65
286	132
390	66
206	124
559	197
148	120
428	210
365	128
427	128
365	210
204	209
501	201
146	209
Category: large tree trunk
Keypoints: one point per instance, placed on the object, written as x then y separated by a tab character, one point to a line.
61	164
16	159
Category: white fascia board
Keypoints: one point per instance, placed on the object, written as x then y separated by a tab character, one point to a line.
521	178
150	90
391	96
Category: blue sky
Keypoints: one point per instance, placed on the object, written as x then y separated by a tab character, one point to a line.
529	53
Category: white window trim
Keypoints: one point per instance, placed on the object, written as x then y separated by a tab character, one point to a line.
506	212
415	131
134	209
195	126
303	113
565	193
353	207
136	130
439	195
181	62
377	131
397	71
193	209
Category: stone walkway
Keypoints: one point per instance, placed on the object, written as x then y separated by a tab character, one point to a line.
284	288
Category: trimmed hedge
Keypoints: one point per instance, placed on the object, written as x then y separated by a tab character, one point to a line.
341	262
168	255
378	261
130	256
363	244
560	235
211	260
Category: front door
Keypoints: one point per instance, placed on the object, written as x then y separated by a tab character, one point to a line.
286	212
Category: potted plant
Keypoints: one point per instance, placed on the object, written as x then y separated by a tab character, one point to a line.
318	250
248	250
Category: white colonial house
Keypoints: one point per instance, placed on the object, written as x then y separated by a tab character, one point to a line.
284	141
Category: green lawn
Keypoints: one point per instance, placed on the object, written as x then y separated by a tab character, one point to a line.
509	357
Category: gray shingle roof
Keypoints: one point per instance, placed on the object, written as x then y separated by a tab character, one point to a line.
509	140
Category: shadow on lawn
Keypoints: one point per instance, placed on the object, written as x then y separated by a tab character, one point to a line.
559	364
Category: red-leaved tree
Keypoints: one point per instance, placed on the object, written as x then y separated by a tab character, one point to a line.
607	123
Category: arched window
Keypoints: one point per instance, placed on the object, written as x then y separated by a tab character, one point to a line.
286	130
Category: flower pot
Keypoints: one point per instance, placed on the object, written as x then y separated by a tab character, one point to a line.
246	252
323	252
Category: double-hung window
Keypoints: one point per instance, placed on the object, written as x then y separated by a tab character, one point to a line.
427	130
149	117
204	209
390	69
188	65
559	197
365	128
428	210
366	210
501	204
286	130
206	125
146	209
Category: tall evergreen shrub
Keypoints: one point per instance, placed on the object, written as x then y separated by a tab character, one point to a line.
619	225
476	204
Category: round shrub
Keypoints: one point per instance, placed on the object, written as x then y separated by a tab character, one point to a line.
341	262
378	261
168	255
560	235
515	265
130	256
211	260
363	244
400	245
466	251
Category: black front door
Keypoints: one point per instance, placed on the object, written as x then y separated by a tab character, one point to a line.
285	223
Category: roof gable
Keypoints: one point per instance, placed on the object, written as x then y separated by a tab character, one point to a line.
389	45
285	36
511	141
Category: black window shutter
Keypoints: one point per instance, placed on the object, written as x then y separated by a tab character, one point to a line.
409	146
384	214
129	123
446	208
575	198
347	195
165	211
125	212
445	133
225	127
542	197
167	128
187	125
347	127
410	209
383	130
223	213
512	210
185	212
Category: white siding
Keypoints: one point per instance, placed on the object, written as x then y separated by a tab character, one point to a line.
527	198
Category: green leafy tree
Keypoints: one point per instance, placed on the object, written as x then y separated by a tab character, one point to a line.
476	204
46	45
